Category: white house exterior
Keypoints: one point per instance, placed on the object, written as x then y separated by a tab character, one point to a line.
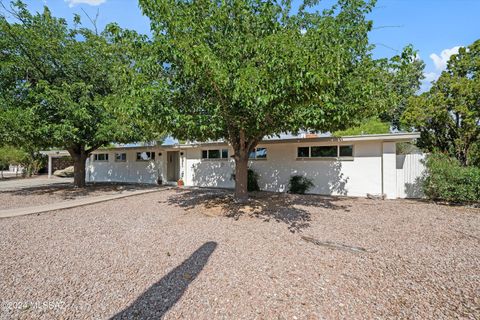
350	166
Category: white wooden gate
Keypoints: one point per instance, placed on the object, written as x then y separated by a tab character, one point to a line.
409	174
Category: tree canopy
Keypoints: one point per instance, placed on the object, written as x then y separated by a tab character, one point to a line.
370	126
63	86
404	81
244	69
448	115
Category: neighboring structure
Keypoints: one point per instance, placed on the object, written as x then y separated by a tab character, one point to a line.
351	166
52	156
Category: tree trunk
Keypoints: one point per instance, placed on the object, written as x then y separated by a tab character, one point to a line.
79	171
241	176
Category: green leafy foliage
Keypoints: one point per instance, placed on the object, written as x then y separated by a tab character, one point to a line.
11	156
242	70
252	184
65	87
448	116
371	126
404	82
300	184
31	162
446	179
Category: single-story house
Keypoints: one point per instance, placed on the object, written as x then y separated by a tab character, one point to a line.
350	166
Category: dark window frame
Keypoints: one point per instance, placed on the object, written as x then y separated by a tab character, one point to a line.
345	146
255	153
338	148
323	154
96	157
120	154
222	153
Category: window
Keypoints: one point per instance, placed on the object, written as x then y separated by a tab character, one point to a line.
303	152
120	157
145	156
100	157
346	151
258	153
215	154
224	153
325	151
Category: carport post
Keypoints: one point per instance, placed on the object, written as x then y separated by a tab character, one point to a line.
49	166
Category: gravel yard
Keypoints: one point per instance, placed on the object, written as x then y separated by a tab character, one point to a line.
39	195
192	254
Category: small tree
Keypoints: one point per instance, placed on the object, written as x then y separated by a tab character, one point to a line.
62	87
448	116
242	70
11	156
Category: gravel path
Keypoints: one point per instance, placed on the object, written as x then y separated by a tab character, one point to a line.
176	254
47	194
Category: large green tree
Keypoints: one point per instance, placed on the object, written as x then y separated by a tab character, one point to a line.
448	116
244	69
404	81
64	86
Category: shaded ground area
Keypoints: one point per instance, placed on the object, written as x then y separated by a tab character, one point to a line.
194	254
59	190
290	209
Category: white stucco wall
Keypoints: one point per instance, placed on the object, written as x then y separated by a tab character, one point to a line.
372	169
337	177
353	177
130	171
208	172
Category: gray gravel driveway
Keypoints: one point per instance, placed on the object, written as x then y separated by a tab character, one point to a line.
20	183
195	255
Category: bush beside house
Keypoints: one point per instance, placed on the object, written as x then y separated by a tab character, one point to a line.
446	179
300	184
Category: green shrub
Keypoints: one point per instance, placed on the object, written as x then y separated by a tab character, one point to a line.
252	180
446	179
252	183
299	184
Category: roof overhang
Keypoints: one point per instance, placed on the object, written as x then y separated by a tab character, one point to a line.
56	153
389	137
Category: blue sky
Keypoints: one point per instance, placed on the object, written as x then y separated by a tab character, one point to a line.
434	27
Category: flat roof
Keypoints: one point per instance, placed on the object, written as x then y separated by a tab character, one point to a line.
387	137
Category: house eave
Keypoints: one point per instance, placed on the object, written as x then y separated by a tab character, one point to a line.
389	137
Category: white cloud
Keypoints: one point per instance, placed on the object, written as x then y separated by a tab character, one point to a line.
440	62
72	3
430	76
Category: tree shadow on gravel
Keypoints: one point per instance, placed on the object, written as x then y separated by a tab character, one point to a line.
293	210
163	295
67	191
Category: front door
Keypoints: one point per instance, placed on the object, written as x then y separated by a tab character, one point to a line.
173	165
